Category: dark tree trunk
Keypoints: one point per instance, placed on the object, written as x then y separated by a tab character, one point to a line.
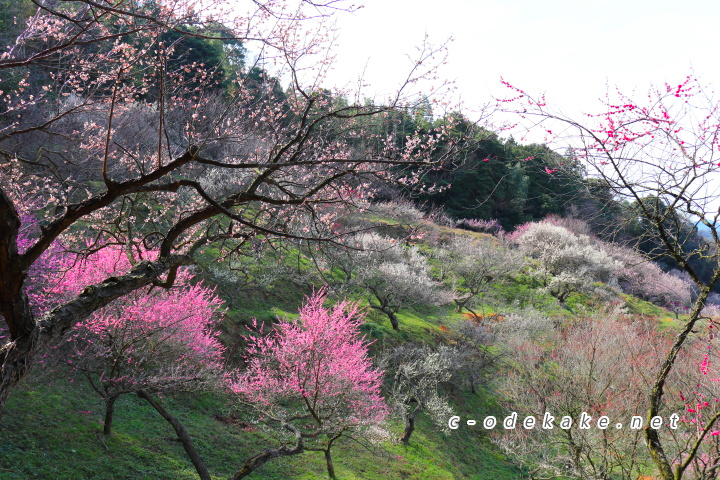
384	306
390	313
16	358
393	320
410	424
14	305
329	462
182	435
461	304
109	411
260	459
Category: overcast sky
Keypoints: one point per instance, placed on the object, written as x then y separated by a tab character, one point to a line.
568	49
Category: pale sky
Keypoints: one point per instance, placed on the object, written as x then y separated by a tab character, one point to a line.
567	49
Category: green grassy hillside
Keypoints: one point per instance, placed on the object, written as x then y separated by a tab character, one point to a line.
52	428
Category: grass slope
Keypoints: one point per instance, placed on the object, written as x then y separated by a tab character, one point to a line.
51	430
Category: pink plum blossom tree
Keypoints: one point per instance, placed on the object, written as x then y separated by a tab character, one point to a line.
312	377
145	343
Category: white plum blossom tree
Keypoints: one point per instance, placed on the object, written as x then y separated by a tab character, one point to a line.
478	264
416	373
394	275
567	262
